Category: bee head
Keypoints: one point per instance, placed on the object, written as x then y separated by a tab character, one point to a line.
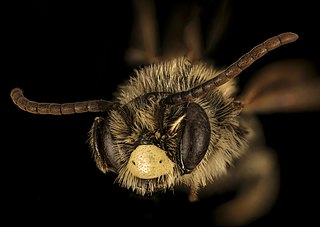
154	140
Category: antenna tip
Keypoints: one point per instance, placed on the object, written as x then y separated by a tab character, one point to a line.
288	37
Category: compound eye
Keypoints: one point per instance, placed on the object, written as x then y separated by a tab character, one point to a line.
102	145
195	137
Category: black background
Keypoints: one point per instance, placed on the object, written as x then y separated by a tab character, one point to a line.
73	51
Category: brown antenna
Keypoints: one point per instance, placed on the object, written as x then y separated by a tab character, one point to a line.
233	70
58	109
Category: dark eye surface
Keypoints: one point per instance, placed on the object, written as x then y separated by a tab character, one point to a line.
195	138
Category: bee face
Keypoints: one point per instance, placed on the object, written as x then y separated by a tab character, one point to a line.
153	146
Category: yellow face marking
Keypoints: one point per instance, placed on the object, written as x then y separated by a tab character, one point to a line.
149	161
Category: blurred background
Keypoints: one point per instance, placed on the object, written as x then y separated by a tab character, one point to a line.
66	51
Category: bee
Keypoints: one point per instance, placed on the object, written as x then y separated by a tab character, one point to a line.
179	121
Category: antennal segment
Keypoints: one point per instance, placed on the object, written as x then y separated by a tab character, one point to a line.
233	70
58	109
